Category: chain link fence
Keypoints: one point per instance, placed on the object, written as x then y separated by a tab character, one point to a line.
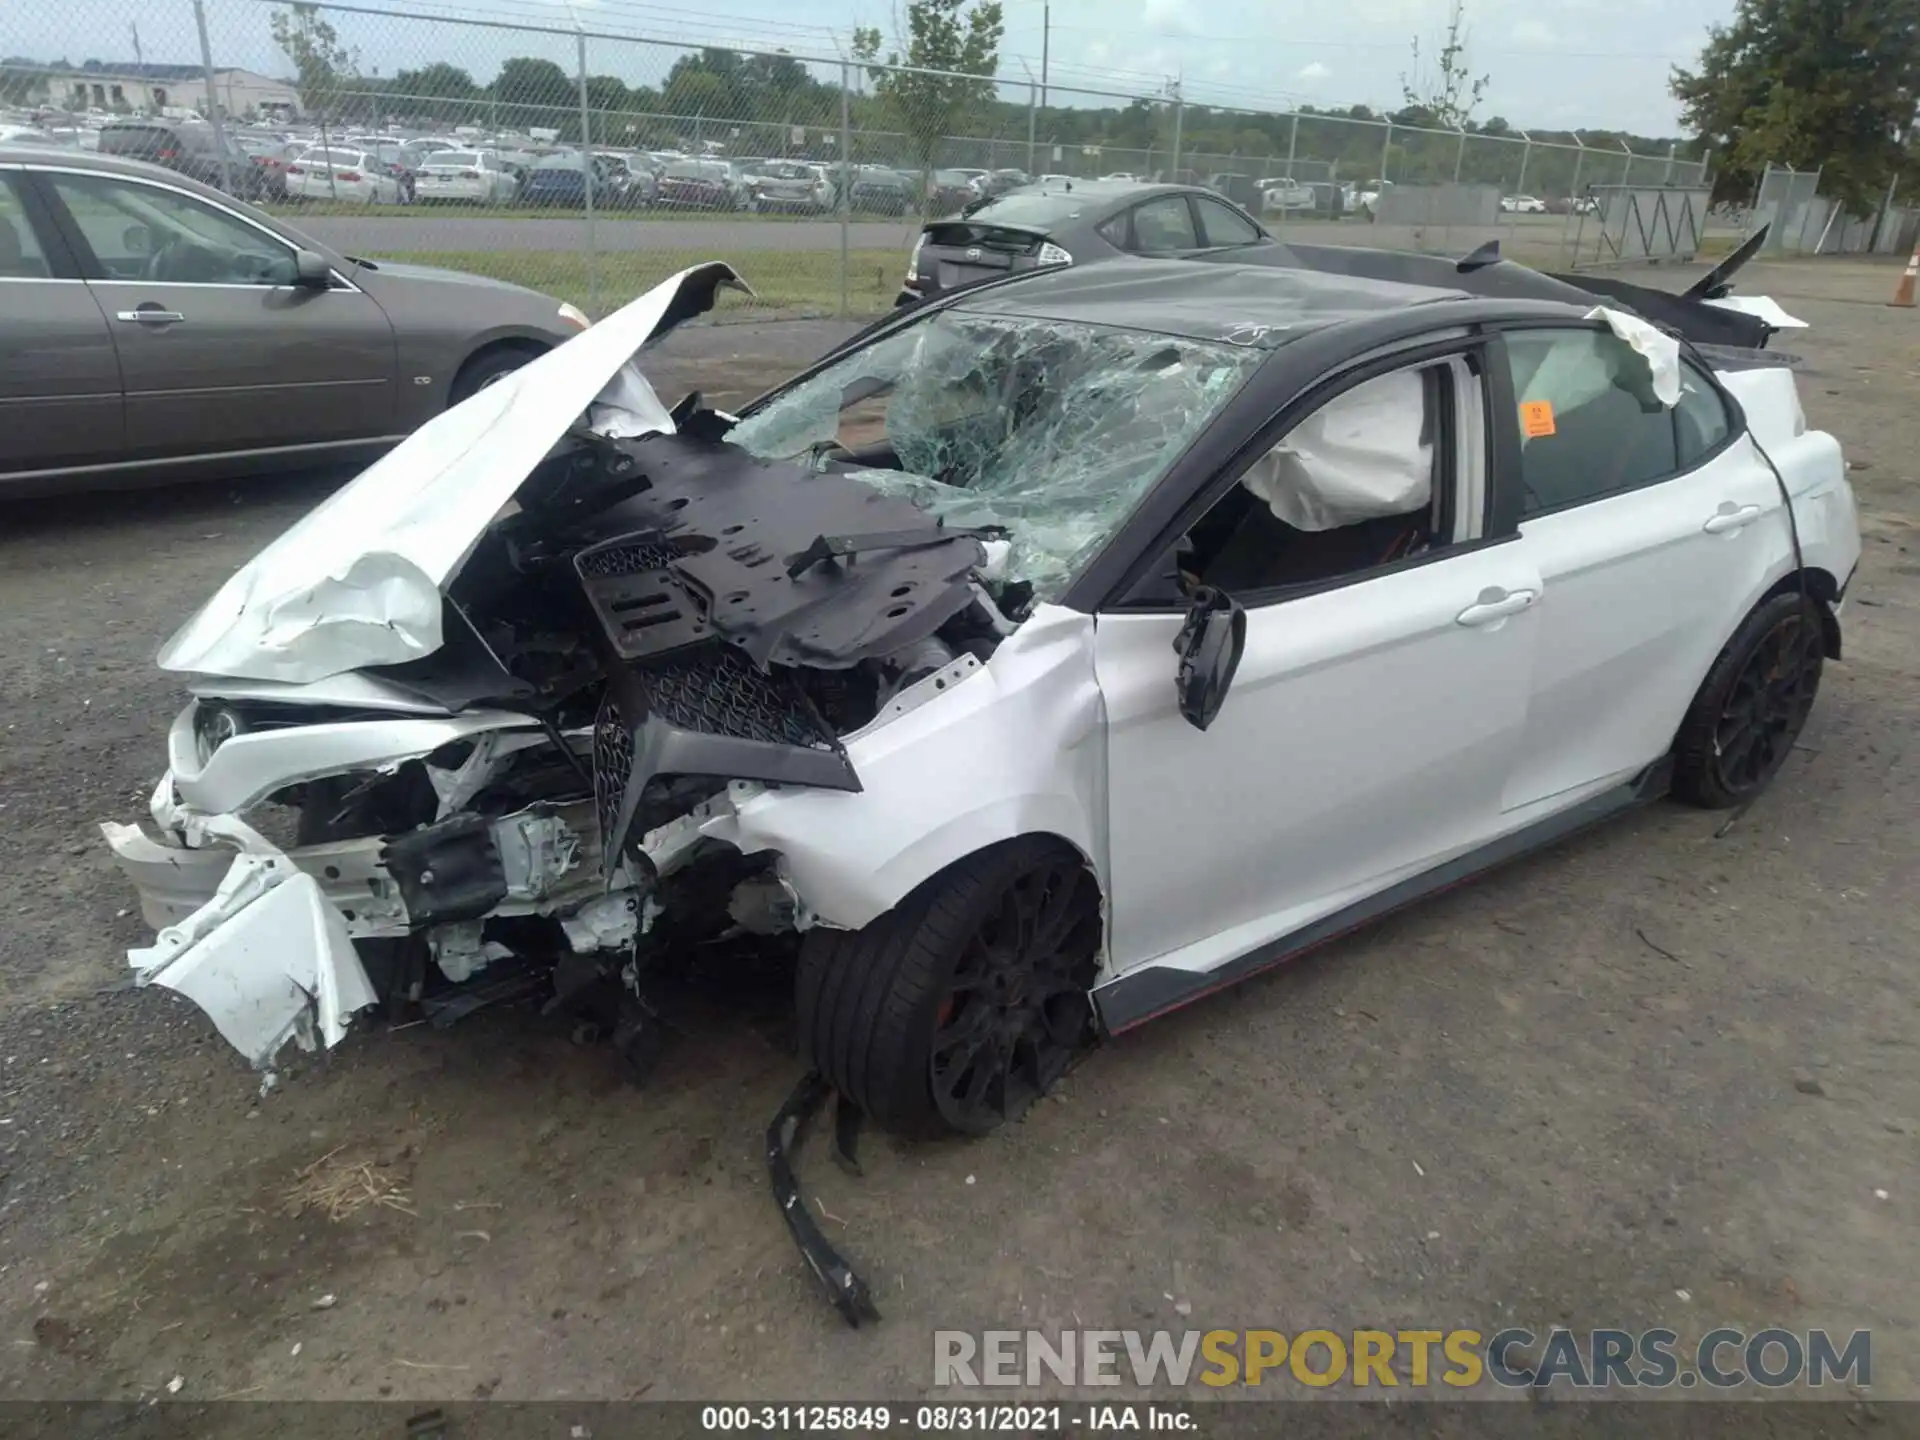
590	164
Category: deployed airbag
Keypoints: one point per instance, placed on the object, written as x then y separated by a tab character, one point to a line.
1359	457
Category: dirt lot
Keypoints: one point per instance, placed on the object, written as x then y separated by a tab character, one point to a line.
1659	1059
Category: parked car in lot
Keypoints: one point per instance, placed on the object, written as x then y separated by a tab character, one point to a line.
998	182
560	182
1523	205
196	336
270	160
1037	663
1240	189
701	185
790	186
949	190
1094	221
1284	193
188	146
357	175
477	177
880	191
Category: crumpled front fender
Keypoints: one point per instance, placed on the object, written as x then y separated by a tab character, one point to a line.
1015	748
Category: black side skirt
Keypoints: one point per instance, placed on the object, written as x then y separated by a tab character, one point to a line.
1149	990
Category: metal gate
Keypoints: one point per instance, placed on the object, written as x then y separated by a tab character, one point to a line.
1640	224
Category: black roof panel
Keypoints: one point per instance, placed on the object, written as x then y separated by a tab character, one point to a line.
1262	305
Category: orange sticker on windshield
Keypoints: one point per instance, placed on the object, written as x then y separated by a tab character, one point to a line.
1536	418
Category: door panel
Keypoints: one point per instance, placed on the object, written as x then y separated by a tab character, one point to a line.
1652	534
1640	596
217	349
59	381
1367	736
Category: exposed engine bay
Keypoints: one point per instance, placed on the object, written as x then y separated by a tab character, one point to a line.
655	624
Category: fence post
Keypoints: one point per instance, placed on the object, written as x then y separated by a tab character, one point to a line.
1460	155
1886	213
213	99
846	178
1526	153
1386	146
1179	120
1033	112
1293	148
1574	215
586	179
1667	177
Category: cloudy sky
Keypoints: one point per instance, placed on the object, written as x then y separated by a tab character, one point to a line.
1553	63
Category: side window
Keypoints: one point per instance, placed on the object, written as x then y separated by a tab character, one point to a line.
1114	231
1590	425
1163	225
1223	225
21	257
144	232
1364	481
1700	420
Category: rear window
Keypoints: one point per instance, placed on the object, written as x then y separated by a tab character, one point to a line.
453	157
694	170
1037	211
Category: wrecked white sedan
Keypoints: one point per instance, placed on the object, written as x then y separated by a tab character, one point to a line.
1048	656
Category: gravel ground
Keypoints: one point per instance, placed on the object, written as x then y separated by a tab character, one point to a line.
1674	1055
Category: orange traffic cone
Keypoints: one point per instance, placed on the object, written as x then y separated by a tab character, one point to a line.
1903	292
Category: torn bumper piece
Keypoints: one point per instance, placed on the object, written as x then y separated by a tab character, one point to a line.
847	1291
268	958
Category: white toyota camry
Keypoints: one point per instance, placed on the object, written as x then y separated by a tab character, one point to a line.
1047	656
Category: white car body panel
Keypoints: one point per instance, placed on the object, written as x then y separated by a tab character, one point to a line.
1014	748
356	582
1368	731
248	768
1638	600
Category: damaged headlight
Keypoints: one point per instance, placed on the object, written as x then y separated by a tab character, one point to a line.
213	726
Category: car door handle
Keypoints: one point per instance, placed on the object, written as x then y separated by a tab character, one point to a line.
151	317
1731	518
1496	604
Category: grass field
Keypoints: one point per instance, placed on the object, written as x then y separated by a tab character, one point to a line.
802	282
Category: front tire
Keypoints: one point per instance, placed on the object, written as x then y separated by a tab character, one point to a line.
1750	709
482	370
961	1006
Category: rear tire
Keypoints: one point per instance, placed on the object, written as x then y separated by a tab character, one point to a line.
1750	709
958	1008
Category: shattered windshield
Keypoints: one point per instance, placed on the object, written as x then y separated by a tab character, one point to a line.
1052	430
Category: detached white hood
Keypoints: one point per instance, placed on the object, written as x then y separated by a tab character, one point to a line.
358	580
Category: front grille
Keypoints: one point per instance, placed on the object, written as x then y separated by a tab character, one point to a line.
719	692
629	557
612	767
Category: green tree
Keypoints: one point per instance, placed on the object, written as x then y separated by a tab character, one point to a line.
536	92
954	36
1448	94
1806	83
321	64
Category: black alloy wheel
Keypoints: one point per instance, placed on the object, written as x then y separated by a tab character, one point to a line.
1016	1008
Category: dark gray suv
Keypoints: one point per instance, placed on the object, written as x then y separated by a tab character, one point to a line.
156	328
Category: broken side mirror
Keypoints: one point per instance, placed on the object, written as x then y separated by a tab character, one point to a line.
1209	645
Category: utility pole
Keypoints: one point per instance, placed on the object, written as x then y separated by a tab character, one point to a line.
213	100
1046	36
